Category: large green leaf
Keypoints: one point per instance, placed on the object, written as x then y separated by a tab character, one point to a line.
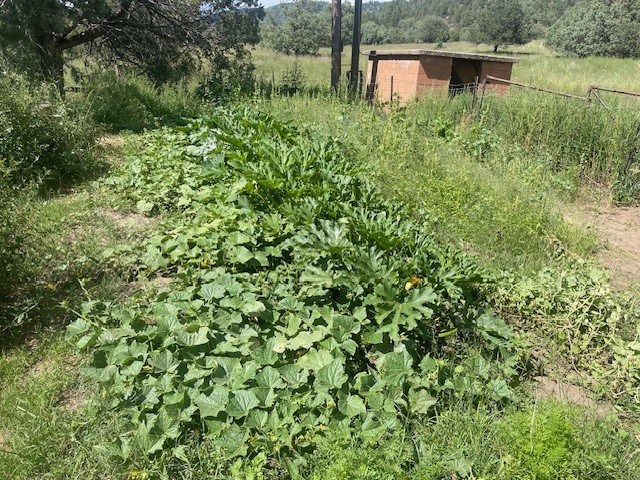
211	291
211	405
332	375
351	405
242	402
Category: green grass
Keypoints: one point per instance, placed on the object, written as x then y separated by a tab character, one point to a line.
46	422
545	441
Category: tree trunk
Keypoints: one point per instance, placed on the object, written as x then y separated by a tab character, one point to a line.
52	66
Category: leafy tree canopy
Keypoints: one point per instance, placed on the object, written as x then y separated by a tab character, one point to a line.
160	36
303	27
599	27
500	23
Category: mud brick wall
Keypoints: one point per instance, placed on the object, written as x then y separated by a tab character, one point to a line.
497	69
435	72
410	76
404	73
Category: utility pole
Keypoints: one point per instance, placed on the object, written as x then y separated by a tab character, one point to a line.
355	47
336	43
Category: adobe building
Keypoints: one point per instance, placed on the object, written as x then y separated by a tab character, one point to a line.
407	73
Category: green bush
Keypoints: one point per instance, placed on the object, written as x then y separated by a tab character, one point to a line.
134	102
597	27
43	146
13	222
40	138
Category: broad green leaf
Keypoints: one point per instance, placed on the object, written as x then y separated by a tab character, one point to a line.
78	327
212	291
241	254
242	402
144	206
396	366
195	373
257	419
294	375
421	401
315	276
253	309
211	405
351	405
314	359
269	378
166	425
372	430
265	354
163	361
234	441
344	327
332	375
500	390
305	340
191	339
133	369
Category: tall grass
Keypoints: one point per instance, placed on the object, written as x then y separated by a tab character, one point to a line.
570	133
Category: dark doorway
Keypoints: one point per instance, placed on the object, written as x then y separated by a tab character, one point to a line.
463	75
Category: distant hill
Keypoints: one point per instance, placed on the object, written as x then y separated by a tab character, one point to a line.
278	11
408	21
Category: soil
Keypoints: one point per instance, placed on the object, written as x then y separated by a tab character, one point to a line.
619	229
127	220
72	400
567	393
4	438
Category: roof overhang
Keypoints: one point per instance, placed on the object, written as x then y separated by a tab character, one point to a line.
407	54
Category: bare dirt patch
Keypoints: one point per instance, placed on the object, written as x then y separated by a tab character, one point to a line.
41	367
619	229
566	392
4	438
112	147
72	400
127	220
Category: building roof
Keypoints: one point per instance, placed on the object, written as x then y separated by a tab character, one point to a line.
439	53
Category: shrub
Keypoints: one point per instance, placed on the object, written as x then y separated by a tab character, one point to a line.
541	444
12	224
596	27
40	140
134	102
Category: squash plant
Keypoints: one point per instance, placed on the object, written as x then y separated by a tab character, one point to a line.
300	299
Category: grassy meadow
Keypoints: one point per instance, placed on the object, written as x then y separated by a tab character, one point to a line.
442	230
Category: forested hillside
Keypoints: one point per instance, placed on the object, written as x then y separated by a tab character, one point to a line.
415	21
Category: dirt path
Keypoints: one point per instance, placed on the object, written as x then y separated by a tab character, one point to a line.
619	229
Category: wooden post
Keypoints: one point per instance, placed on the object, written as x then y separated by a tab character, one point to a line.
336	43
475	94
371	86
391	93
355	46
